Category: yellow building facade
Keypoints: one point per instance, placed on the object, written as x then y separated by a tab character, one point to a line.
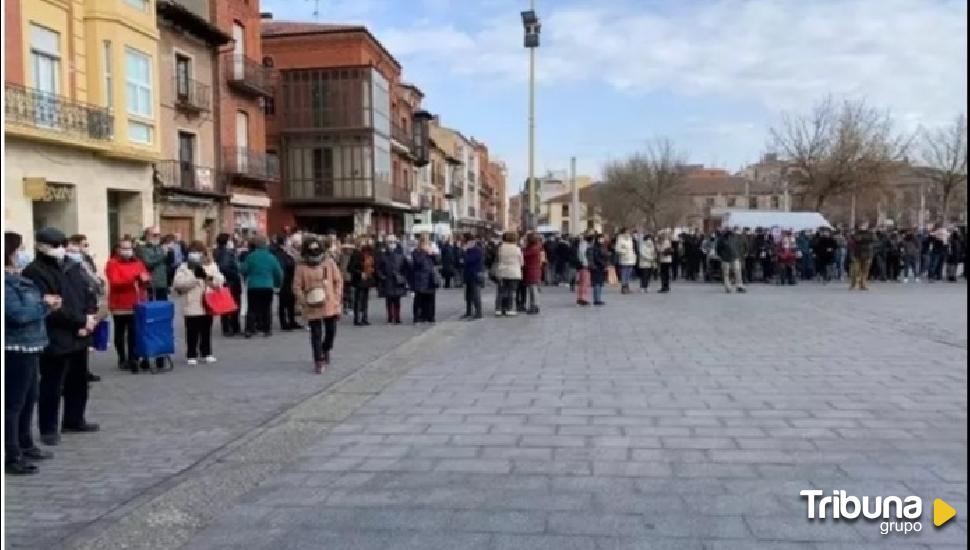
82	117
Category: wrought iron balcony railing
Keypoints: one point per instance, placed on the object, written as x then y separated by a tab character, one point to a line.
192	95
56	114
248	76
188	177
245	163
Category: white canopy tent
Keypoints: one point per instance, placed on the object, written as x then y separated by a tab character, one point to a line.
796	221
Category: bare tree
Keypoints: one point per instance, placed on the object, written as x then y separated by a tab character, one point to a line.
839	149
645	186
944	150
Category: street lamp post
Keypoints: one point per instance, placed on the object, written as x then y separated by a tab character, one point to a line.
530	22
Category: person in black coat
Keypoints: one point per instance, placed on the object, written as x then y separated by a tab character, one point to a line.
225	258
64	362
362	268
599	257
449	261
392	277
823	248
286	308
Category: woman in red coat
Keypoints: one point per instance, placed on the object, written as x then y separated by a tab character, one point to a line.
124	273
532	271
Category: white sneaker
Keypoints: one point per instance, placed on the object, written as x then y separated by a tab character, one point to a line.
498	313
210	359
905	281
193	362
512	313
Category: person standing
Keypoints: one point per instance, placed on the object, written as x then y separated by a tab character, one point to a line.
318	287
362	269
824	249
730	253
228	263
25	337
449	261
787	255
473	273
583	281
626	259
599	263
532	271
955	252
286	302
424	281
193	278
910	252
156	260
508	270
647	261
347	249
862	249
841	254
125	273
263	275
63	364
665	251
392	270
78	251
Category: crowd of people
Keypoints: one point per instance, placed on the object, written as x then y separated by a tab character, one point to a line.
56	298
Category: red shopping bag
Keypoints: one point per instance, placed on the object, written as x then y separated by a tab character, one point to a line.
219	301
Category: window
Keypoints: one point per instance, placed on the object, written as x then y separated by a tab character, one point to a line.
138	86
138	79
45	59
109	93
183	73
732	202
709	201
565	210
753	203
775	203
269	106
382	103
141	5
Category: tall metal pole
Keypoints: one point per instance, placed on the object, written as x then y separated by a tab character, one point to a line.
574	206
533	200
921	218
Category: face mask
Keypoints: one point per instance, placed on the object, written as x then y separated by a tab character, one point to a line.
76	256
22	259
57	253
126	253
315	259
230	245
195	257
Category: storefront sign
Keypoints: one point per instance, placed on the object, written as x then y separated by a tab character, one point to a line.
35	189
38	189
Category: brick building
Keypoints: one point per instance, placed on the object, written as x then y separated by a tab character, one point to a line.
344	126
244	86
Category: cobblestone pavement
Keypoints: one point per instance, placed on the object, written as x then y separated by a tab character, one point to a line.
690	420
155	428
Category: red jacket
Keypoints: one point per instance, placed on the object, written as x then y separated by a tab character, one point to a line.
122	276
532	268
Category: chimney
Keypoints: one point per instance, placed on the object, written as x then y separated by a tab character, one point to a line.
268	15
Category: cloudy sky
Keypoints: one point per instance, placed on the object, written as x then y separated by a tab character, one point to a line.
712	75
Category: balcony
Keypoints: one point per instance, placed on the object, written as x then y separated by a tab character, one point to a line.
246	164
401	195
247	76
185	176
403	138
192	96
57	115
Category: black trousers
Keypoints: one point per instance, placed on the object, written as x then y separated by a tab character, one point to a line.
361	303
67	376
393	304
322	333
665	276
259	314
125	337
473	299
348	297
198	336
230	322
748	273
286	308
646	273
20	396
520	296
424	305
767	270
447	276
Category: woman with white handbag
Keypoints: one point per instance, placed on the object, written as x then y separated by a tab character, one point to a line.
318	286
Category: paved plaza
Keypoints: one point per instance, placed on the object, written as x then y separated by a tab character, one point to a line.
682	421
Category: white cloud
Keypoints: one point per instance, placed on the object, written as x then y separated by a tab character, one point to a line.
907	55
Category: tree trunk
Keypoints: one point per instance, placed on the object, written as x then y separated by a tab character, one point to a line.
819	202
947	191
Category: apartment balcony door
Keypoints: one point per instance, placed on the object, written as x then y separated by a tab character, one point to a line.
187	160
239	51
45	65
242	142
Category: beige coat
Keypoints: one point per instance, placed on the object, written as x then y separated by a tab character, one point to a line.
509	262
191	290
326	275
